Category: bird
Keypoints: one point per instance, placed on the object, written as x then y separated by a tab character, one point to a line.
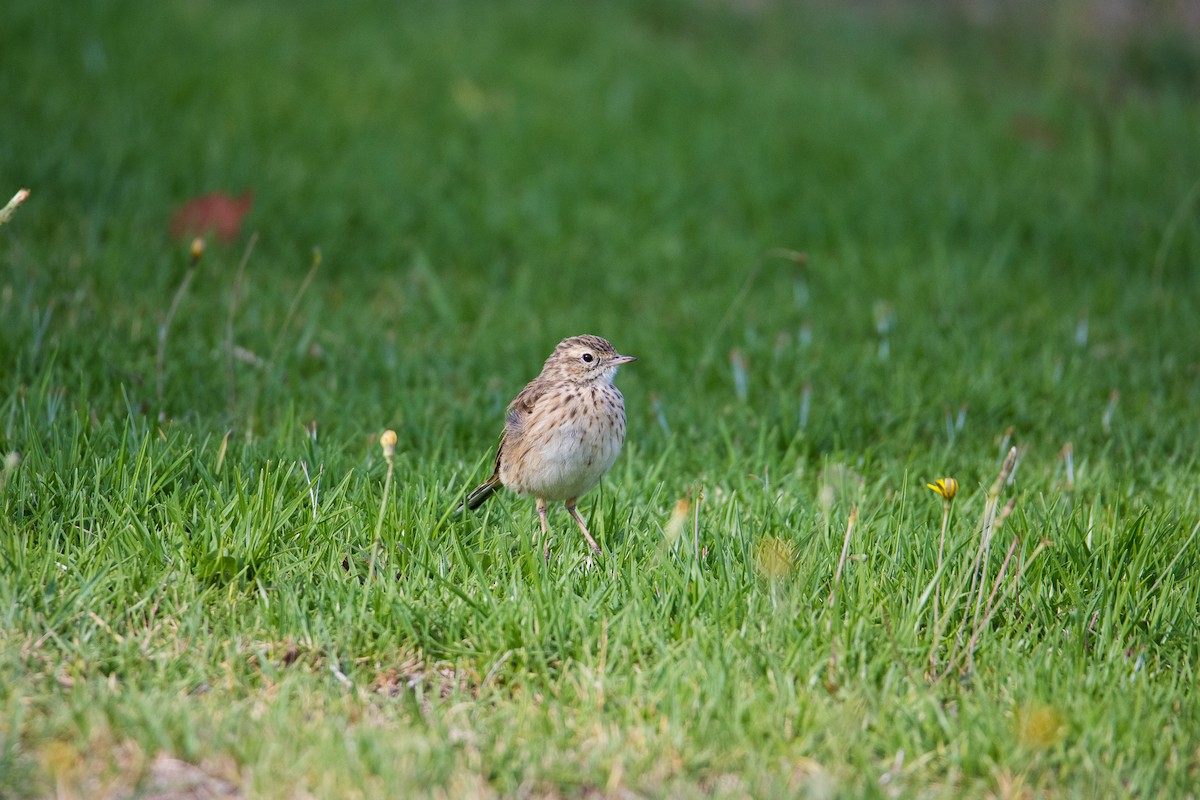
562	432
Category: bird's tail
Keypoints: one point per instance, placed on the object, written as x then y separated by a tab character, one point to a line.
481	493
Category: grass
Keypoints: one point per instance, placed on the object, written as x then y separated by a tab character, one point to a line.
928	242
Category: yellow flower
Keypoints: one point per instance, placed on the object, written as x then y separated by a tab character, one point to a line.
678	519
946	487
1039	727
388	442
775	557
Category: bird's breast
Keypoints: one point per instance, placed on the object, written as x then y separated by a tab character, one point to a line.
565	444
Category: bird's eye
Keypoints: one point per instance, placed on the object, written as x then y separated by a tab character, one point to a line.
588	358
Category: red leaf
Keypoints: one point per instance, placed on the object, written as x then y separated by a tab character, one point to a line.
217	213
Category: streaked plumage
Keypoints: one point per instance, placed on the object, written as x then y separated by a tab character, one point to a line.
563	431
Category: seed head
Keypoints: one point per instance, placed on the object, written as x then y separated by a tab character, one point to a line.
7	212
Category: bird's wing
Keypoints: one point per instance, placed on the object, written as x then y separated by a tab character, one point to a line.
521	406
518	412
499	454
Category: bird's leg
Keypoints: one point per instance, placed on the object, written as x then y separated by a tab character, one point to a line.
541	507
579	520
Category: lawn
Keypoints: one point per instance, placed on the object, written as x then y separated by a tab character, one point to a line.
856	252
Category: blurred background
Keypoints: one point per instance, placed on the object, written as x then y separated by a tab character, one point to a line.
933	205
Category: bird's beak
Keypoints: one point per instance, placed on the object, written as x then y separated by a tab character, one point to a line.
622	360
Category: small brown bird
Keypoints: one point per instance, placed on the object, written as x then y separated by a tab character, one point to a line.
563	431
